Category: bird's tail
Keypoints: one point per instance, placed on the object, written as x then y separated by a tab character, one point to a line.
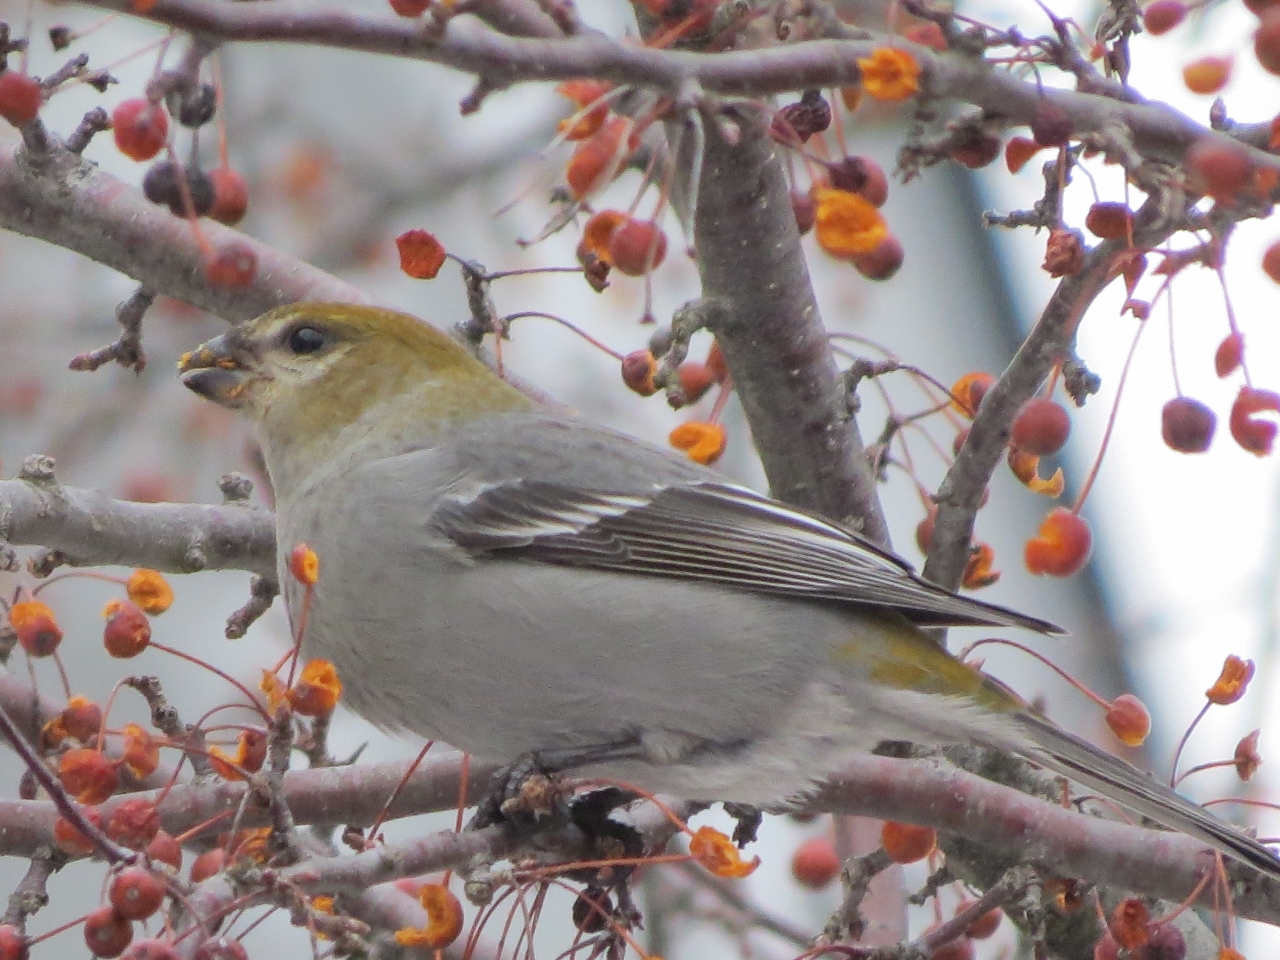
1068	755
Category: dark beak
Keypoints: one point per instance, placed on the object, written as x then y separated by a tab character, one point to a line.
215	371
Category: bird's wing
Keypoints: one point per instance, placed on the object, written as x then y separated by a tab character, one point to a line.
704	530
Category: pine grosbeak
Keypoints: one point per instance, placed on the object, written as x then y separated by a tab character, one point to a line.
515	581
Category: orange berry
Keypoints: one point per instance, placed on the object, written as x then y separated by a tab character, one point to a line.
924	529
815	864
979	568
968	391
1207	74
149	590
599	230
1187	425
88	775
81	718
1061	546
128	631
69	839
1266	42
907	842
1129	923
106	933
1220	170
881	262
637	246
1271	261
444	916
232	267
230	196
1041	427
37	630
1163	15
304	565
141	754
638	368
1129	720
135	893
140	128
890	74
317	691
597	159
702	442
1018	151
20	97
1232	682
1230	352
1254	435
1109	221
134	823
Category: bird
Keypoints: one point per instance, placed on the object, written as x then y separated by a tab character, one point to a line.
519	581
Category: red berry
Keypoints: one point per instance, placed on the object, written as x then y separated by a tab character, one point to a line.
1129	923
1163	15
163	848
410	8
1230	353
13	945
136	893
1165	943
863	176
152	949
128	631
637	246
1266	42
976	151
134	823
20	97
230	196
805	211
1041	427
88	775
1109	221
815	864
1050	127
234	265
140	128
1018	151
1187	425
881	262
1129	720
985	925
638	368
1221	170
1271	261
36	627
69	839
959	949
207	864
1253	434
695	379
106	933
221	948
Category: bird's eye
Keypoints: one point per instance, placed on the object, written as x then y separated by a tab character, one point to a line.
306	340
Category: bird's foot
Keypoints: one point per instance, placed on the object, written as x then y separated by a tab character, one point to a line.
522	793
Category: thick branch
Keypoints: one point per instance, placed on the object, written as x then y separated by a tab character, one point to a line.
1156	128
89	528
759	302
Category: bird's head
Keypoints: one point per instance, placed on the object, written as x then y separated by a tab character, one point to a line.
324	376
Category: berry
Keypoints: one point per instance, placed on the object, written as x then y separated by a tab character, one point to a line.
1018	151
1109	221
152	949
135	893
1207	74
1163	15
906	842
882	262
195	106
38	632
134	823
163	848
806	211
410	8
960	948
985	925
1220	170
13	945
106	933
1253	434
1050	127
1187	425
20	97
230	196
1129	922
1271	261
863	176
88	775
637	245
1061	546
1228	356
69	839
800	121
163	184
695	380
815	864
221	948
128	631
1041	427
207	864
1266	42
592	910
140	128
1129	720
976	150
234	265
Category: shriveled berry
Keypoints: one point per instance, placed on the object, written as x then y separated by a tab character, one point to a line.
1254	434
234	265
1063	253
1187	425
20	97
863	176
1129	923
907	842
195	106
128	631
637	246
1163	15
230	196
36	628
1165	943
976	150
882	262
134	823
592	911
140	128
135	893
106	933
800	121
170	185
815	864
1041	427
